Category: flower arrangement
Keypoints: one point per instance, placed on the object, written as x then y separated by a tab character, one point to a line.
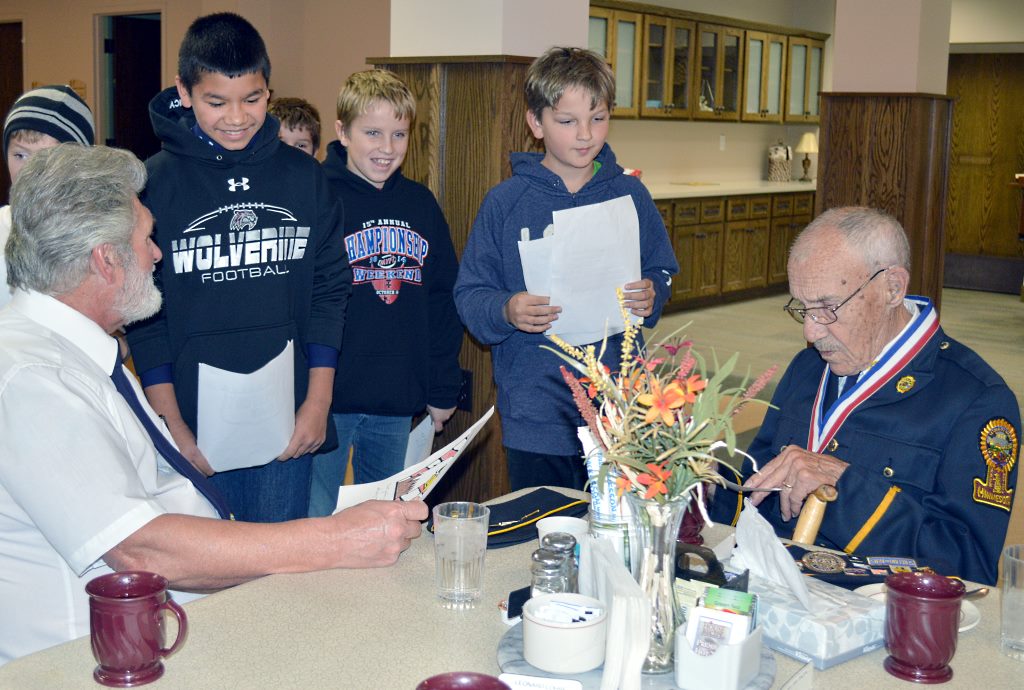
661	417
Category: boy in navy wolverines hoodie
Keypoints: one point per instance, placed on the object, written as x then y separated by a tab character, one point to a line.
400	351
252	260
569	96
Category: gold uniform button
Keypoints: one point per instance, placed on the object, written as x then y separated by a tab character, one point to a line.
944	345
833	445
888	472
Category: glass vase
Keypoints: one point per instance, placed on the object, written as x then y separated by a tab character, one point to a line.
653	564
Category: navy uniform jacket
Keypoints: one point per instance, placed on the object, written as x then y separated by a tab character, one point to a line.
932	469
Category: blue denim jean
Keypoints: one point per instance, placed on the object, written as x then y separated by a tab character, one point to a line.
274	492
526	469
378	444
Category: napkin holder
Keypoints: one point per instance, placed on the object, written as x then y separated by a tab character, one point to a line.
849	627
731	667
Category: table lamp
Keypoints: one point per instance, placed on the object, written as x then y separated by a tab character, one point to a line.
808	145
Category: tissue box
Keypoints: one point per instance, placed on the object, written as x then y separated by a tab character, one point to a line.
826	638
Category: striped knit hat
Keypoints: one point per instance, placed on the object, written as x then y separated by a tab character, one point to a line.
54	110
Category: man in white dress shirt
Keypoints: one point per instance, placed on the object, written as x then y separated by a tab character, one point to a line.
83	490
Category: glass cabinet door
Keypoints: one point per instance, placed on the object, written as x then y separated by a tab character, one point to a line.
706	84
797	79
814	81
626	62
732	69
668	54
765	77
599	33
681	64
804	82
655	68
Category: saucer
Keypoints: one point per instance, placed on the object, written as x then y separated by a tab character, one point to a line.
969	614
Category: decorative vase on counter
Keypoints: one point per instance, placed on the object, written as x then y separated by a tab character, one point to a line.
653	562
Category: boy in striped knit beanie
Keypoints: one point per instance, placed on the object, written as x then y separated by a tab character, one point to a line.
40	119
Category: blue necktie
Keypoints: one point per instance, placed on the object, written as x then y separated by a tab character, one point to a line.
831	391
174	458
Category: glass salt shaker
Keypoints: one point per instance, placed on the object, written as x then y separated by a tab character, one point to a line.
565	544
547	573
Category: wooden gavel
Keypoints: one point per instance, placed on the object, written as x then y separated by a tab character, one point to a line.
809	522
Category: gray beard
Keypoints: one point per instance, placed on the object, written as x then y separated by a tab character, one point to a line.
138	297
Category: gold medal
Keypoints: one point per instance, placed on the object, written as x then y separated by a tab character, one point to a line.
905	384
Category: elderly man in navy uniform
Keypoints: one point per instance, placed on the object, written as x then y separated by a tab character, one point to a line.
917	433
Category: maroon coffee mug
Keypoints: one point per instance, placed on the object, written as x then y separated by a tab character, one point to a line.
462	680
127	627
922	615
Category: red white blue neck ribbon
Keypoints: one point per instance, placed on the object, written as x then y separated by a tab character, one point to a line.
896	355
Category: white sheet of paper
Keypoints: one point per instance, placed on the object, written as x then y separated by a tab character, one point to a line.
421	439
412	482
535	256
246	420
597	250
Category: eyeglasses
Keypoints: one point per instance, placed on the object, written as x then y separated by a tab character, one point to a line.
824	316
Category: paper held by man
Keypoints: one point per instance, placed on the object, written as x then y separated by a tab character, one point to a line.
416	481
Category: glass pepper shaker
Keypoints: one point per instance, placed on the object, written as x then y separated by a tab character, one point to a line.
565	544
547	573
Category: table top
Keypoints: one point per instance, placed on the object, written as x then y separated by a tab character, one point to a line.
383	628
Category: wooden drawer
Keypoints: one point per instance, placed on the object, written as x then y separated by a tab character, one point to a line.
782	205
712	210
665	209
760	206
803	204
737	208
686	212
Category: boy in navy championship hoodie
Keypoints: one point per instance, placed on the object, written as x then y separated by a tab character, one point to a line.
250	236
569	95
402	337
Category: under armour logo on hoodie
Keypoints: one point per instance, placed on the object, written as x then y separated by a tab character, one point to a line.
233	186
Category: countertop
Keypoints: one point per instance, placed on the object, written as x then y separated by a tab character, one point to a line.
688	190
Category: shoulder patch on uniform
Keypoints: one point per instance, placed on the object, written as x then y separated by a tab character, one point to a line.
998	444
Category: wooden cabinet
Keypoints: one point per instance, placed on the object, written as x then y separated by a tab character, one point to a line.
791	214
719	63
698	249
667	58
803	84
615	35
733	246
745	255
765	77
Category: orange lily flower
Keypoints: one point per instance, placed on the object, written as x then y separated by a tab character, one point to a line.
654	480
695	384
662	401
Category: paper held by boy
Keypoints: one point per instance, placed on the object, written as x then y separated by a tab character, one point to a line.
802	617
582	258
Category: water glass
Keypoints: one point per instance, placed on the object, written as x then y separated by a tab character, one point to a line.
1012	637
460	544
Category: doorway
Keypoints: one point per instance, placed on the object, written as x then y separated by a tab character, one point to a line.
11	86
983	251
129	78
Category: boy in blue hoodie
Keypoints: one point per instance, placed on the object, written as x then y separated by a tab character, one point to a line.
253	260
569	96
400	351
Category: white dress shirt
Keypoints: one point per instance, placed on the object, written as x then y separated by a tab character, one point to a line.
5	231
78	472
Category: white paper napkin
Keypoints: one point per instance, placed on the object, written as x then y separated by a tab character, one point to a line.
604	576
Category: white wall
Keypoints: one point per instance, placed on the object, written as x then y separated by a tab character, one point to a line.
485	27
987	21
